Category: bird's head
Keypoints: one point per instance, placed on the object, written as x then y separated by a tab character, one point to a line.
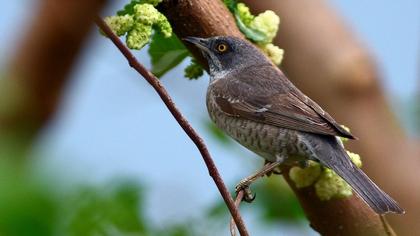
225	53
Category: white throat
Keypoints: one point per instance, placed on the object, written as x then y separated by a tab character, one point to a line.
216	75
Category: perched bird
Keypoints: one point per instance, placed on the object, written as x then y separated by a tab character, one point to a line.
254	103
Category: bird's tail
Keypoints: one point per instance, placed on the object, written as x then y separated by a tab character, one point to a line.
331	154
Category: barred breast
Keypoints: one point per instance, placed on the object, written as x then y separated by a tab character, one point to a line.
266	140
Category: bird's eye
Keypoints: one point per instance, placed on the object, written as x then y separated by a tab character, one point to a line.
222	47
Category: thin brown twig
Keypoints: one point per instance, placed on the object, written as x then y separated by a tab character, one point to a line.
154	82
238	201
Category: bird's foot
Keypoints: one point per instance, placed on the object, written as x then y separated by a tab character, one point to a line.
244	184
275	171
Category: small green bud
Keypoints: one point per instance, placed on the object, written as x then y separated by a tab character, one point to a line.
120	24
355	158
330	185
307	176
129	8
146	14
244	14
327	183
164	26
273	52
139	36
139	23
267	23
194	70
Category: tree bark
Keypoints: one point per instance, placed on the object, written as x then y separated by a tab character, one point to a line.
205	18
345	217
200	18
327	62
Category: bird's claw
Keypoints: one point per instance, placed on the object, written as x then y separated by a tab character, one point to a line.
248	195
275	171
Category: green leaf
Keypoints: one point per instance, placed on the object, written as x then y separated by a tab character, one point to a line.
194	70
166	53
230	4
252	34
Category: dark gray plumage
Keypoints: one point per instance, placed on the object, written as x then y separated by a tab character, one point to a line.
254	103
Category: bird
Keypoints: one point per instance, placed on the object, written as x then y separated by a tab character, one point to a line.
252	101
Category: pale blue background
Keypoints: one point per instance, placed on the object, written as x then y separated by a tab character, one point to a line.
113	124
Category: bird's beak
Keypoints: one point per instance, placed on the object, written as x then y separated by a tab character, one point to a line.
198	42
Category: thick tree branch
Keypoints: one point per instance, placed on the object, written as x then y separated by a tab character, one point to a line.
349	216
207	18
325	59
155	83
199	18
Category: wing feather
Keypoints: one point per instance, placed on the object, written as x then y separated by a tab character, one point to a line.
263	98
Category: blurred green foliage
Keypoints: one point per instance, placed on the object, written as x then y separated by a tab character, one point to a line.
277	201
26	207
31	205
111	210
34	206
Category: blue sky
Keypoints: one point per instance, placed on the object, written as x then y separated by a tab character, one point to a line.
113	124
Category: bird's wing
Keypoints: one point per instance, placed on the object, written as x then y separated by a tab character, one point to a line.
275	101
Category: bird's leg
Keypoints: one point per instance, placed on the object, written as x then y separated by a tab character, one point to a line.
275	171
269	167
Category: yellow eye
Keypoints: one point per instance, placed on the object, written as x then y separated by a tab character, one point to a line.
222	47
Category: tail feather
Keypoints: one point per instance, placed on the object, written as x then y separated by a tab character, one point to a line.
377	199
331	154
